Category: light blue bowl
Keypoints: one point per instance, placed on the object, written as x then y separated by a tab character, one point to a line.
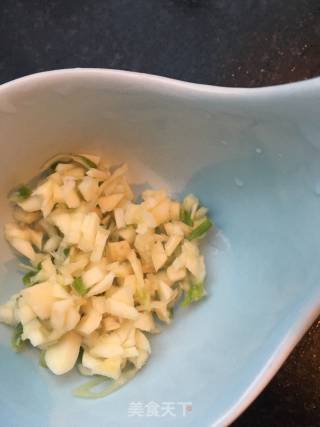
252	156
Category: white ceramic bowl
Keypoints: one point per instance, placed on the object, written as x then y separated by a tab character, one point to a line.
252	156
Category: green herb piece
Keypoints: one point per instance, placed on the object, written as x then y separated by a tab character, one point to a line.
185	216
79	286
86	390
79	359
17	342
21	194
171	312
27	278
88	162
66	252
24	192
42	360
201	230
195	293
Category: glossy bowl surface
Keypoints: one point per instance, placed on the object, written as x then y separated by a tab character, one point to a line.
252	156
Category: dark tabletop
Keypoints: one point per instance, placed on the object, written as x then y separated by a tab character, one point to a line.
219	42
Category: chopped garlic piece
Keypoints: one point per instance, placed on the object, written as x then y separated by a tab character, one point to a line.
101	267
61	357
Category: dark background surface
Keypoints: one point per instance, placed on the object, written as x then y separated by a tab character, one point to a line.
231	43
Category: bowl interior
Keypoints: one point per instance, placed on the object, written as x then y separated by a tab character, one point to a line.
253	159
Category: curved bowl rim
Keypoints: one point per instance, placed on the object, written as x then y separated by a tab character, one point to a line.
179	86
